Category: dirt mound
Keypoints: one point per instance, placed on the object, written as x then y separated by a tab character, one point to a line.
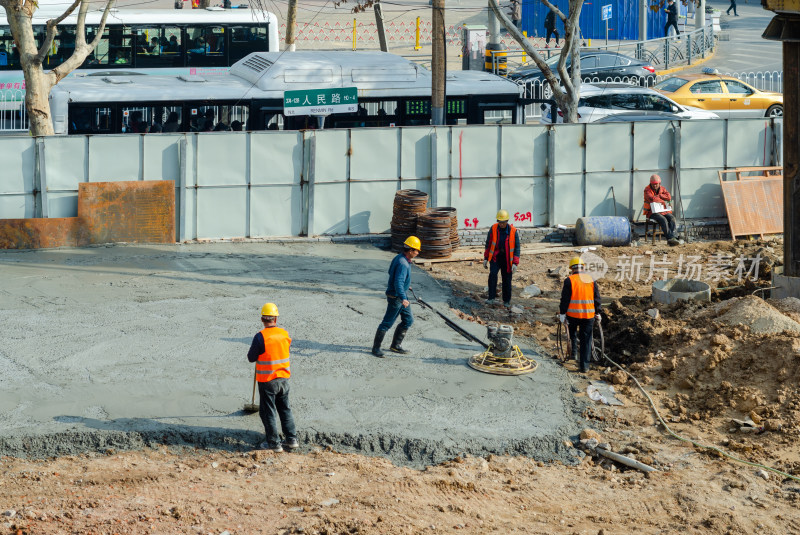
790	306
755	313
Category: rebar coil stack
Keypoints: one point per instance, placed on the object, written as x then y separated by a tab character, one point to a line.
433	229
408	205
450	211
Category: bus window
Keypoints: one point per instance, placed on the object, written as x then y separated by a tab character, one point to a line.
498	116
158	46
9	58
216	118
246	40
63	44
114	48
89	120
206	46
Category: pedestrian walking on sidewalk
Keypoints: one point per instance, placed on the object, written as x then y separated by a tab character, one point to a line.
501	256
672	18
270	351
579	308
733	7
516	12
550	28
397	299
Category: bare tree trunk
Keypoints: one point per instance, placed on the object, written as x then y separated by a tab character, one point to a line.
38	83
567	98
291	24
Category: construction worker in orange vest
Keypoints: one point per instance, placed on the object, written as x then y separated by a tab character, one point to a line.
397	303
501	255
580	306
270	352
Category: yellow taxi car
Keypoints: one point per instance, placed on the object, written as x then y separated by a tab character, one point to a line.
728	97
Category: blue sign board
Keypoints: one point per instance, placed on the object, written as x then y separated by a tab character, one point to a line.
606	15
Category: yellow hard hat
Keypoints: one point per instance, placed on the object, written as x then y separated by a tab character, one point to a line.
502	215
413	242
576	261
270	309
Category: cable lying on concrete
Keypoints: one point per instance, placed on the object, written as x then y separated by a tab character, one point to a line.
690	441
451	323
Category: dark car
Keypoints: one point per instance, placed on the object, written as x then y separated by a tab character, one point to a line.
636	116
596	66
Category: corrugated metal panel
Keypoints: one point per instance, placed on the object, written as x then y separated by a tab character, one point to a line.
600	198
478	202
221	212
276	157
415	159
569	199
114	158
569	140
703	144
331	162
653	143
374	153
276	211
702	197
67	165
474	151
371	206
749	142
517	197
524	151
161	157
222	159
608	147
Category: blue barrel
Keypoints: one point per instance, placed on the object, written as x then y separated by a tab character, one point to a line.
608	231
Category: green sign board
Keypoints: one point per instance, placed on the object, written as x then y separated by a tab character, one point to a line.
320	101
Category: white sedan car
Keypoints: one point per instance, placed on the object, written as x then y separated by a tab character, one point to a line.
601	100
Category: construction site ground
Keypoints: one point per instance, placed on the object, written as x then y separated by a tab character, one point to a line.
124	372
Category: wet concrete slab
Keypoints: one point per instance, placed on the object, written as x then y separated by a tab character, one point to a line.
125	346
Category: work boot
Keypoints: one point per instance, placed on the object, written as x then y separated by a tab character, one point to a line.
399	334
266	446
673	242
490	302
290	444
376	344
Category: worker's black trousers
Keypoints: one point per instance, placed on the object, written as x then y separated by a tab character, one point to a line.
494	268
580	329
274	409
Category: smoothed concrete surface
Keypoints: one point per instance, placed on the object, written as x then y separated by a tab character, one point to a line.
125	346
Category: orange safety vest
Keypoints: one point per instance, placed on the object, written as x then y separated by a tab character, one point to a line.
581	304
493	244
273	363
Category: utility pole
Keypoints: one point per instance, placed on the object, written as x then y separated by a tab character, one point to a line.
782	28
379	24
438	64
291	23
644	11
700	15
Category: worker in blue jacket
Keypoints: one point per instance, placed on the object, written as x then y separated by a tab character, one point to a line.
397	297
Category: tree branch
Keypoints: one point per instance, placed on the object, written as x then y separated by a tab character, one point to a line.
82	50
51	32
556	10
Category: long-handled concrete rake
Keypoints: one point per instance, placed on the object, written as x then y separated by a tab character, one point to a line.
252	406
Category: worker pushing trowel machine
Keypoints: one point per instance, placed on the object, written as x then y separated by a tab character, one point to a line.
501	356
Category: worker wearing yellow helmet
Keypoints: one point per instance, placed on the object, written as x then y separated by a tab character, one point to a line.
397	299
579	307
501	256
270	351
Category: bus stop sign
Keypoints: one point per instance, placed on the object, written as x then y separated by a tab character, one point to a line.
320	101
606	15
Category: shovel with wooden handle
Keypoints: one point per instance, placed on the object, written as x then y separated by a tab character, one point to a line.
252	406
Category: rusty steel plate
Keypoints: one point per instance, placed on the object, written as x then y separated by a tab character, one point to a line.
754	205
133	211
39	233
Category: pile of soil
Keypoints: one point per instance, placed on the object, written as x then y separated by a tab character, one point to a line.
756	314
